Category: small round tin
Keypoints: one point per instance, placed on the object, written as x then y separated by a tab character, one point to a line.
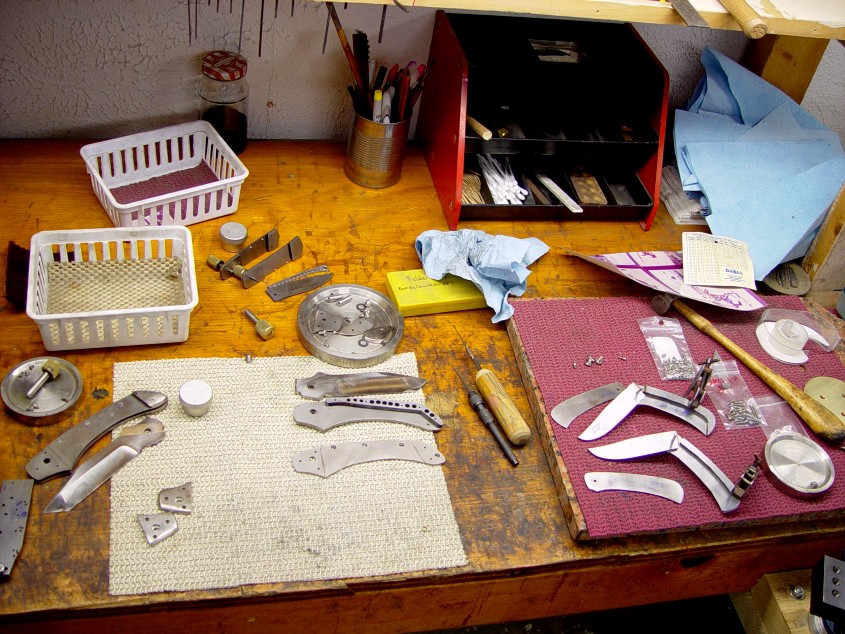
195	397
232	236
350	326
797	464
56	396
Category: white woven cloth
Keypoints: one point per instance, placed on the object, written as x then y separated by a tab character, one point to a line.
256	520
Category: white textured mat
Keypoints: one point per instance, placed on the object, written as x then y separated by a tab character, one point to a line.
255	519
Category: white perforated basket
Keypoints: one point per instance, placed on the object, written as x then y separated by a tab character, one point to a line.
178	175
102	288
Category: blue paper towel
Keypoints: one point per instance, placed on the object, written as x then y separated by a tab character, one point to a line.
766	167
497	265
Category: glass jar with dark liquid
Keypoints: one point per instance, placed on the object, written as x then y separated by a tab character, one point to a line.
224	95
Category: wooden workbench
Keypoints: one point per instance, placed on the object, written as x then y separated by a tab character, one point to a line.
522	562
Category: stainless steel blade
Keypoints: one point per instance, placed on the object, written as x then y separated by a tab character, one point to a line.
635	482
96	471
614	413
61	455
689	13
329	459
567	411
290	287
713	478
637	447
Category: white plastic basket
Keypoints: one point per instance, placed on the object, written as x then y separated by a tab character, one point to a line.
102	288
145	171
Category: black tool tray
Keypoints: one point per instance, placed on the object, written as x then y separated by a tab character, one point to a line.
559	97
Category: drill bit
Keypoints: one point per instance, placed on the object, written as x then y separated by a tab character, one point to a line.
477	403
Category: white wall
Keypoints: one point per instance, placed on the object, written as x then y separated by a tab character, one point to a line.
95	69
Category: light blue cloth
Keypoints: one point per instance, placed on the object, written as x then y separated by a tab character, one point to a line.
766	167
497	265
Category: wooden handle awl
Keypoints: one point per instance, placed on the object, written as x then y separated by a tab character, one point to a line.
503	407
751	23
821	420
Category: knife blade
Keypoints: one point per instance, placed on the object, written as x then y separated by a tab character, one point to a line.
567	411
670	442
635	482
99	469
614	413
295	285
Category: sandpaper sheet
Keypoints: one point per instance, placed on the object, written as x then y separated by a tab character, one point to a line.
553	338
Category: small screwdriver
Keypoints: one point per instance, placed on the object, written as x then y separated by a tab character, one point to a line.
500	403
477	403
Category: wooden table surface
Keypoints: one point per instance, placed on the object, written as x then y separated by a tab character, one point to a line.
522	562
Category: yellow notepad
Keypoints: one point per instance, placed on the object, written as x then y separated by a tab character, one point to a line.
416	294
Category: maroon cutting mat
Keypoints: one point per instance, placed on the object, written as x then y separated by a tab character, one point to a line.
173	183
555	334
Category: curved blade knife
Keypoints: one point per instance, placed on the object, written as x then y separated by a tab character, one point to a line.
670	442
567	411
618	409
96	471
61	455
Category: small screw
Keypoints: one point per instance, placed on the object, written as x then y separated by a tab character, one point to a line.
797	592
589	361
248	358
599	360
263	327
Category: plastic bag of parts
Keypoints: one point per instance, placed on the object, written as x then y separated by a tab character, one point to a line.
732	399
668	347
822	333
779	416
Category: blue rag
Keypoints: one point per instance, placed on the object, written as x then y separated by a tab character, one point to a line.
497	265
760	161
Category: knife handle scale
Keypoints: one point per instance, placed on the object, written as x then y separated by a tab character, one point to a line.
503	407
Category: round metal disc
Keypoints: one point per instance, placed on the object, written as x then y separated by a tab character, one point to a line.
798	463
828	391
56	396
350	326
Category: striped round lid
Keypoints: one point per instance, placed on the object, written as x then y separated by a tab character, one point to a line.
223	65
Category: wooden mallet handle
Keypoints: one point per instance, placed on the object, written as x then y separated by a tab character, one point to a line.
751	23
821	420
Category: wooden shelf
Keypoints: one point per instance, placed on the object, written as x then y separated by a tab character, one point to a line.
805	18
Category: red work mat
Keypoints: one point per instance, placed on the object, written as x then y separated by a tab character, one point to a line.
553	338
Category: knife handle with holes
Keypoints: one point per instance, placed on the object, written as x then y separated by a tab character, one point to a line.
503	407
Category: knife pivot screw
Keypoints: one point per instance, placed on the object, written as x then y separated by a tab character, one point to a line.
264	328
599	360
589	361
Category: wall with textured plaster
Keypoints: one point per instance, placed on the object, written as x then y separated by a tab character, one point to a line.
93	69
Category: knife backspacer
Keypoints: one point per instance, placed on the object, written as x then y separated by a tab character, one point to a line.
285	254
255	249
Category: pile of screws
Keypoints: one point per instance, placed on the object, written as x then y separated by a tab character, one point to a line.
743	413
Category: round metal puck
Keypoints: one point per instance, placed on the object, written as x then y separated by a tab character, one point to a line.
350	326
55	397
195	397
798	464
232	236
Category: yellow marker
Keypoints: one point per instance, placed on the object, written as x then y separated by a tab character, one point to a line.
377	100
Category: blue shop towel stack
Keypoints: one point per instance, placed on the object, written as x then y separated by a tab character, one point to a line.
766	169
